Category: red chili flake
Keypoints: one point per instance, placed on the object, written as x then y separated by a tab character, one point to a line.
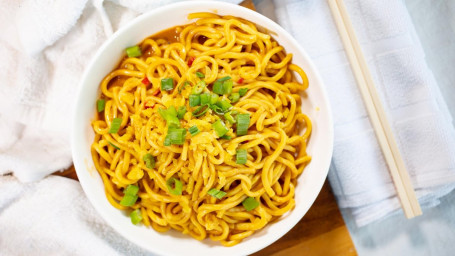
146	81
190	61
240	80
156	92
148	104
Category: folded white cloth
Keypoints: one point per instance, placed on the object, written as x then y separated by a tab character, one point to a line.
53	217
421	122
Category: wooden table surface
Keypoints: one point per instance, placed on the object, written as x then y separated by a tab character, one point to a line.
321	232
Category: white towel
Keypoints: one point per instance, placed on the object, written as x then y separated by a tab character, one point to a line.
53	217
421	122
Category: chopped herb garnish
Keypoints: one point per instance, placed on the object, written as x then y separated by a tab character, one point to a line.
133	51
100	105
241	156
167	84
115	125
149	161
250	203
174	186
216	193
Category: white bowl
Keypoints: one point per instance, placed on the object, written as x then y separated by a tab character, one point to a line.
173	243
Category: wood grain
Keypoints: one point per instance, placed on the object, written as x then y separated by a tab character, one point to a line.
321	232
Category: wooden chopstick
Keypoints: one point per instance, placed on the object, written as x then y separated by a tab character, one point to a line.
378	117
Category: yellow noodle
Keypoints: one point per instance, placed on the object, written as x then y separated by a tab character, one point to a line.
276	153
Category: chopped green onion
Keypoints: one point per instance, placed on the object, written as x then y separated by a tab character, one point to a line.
220	128
250	203
241	156
167	84
128	200
199	87
200	111
133	51
100	105
170	115
224	105
224	79
217	109
242	92
181	112
229	118
131	190
226	137
216	193
136	216
167	141
243	122
114	146
181	87
234	112
234	97
115	125
200	75
194	130
205	98
223	86
149	161
174	186
218	88
227	86
176	135
195	100
214	98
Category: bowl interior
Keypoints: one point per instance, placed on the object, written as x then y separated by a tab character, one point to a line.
315	105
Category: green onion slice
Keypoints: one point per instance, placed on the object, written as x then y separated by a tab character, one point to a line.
167	141
220	128
199	87
229	117
234	97
149	161
194	130
250	203
174	186
200	74
241	156
170	115
176	135
214	98
195	100
227	86
217	109
224	105
128	200
115	125
131	190
216	193
100	104
167	84
205	98
136	216
114	145
181	112
243	122
226	137
223	79
243	91
133	51
200	111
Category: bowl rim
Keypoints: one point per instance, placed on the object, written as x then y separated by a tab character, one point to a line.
79	164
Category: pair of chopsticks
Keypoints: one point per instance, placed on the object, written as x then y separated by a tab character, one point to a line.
376	112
